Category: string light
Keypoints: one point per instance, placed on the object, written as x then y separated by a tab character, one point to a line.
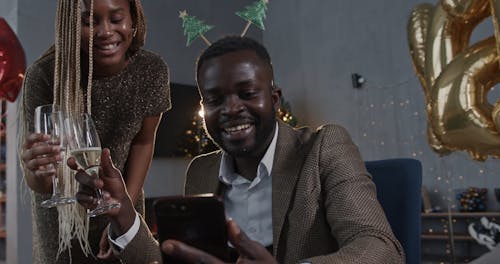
439	175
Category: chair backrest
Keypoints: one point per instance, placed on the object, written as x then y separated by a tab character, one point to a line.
399	183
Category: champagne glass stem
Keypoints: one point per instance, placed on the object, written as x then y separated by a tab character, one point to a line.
57	199
100	197
102	205
55	187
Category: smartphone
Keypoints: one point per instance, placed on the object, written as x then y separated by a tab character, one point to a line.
197	220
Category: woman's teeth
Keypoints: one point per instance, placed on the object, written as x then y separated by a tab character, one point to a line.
108	47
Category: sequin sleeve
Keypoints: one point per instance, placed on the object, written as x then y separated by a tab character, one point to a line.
157	89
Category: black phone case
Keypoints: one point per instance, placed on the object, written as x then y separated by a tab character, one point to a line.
197	220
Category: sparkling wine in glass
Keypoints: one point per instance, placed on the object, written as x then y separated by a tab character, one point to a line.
49	120
85	147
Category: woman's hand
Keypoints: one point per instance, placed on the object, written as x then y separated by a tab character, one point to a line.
39	155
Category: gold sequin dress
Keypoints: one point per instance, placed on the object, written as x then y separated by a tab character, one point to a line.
119	105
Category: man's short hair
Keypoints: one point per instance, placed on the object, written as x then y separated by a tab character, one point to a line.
230	44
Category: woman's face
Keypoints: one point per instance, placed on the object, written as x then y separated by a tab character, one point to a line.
113	34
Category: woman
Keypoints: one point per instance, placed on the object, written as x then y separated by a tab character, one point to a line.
129	92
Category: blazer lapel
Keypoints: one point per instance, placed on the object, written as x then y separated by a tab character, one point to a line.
214	185
288	160
205	179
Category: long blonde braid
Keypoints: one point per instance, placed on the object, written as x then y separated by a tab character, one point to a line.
73	221
68	94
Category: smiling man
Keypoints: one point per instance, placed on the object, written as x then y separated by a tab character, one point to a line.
294	195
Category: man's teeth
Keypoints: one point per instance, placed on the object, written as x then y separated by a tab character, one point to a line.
108	47
236	128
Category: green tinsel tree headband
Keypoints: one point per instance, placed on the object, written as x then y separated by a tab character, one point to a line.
253	14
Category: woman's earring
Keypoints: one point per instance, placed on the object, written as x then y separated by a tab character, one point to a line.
134	32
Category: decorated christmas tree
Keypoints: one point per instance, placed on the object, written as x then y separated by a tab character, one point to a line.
254	14
285	113
195	141
194	28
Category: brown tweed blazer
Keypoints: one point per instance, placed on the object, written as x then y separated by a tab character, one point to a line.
325	208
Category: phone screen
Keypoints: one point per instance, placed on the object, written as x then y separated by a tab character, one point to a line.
197	220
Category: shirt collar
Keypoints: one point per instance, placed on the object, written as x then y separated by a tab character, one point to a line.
227	172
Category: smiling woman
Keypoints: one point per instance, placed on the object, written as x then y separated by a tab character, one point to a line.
124	87
113	32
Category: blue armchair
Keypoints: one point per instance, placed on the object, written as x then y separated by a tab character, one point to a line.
399	183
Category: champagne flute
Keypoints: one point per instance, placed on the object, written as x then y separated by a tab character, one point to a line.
49	120
85	147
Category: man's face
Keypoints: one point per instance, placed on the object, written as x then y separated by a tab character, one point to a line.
239	102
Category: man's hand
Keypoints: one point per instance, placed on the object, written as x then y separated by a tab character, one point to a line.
111	182
105	251
250	251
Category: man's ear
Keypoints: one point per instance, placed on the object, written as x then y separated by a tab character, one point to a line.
276	95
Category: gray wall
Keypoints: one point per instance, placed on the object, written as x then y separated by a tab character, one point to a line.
316	45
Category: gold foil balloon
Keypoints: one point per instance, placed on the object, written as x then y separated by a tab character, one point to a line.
417	33
417	39
495	12
496	115
456	77
466	10
461	114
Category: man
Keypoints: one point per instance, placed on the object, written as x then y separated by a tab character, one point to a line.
303	195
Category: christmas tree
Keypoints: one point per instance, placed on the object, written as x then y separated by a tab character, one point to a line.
195	141
285	113
193	28
254	14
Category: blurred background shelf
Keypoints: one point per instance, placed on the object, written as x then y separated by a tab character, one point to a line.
436	243
462	215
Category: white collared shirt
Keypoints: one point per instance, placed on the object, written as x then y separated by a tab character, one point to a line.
249	203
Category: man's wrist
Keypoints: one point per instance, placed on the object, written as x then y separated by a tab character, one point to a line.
122	222
122	241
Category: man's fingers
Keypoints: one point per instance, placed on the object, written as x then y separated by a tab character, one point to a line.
71	162
107	166
245	246
86	200
89	181
104	247
187	253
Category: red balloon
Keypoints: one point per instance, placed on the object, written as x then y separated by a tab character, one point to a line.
12	62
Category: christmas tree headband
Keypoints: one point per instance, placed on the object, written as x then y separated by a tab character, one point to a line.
194	28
